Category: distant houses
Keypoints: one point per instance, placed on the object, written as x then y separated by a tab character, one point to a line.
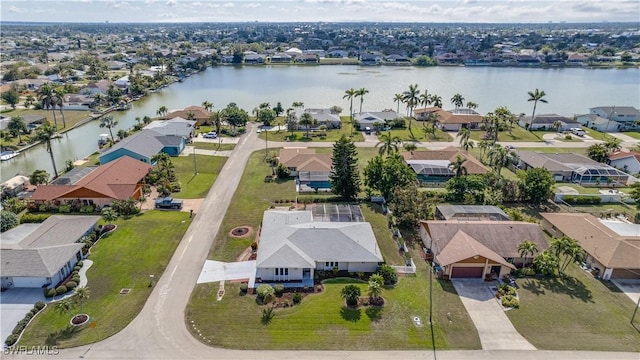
370	118
548	122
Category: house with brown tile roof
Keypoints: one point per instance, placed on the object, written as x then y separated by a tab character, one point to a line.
475	249
451	120
628	161
120	179
200	114
612	246
310	169
433	166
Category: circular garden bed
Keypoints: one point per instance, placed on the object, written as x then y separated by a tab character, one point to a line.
79	320
241	231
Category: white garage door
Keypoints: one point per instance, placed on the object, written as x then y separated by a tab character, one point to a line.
28	282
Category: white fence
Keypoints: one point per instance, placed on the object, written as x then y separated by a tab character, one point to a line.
409	269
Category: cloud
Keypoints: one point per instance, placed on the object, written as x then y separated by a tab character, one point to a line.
171	2
228	5
252	5
15	9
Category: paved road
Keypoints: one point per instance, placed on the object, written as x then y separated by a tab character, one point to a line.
160	332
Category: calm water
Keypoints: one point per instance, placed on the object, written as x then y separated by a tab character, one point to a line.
569	92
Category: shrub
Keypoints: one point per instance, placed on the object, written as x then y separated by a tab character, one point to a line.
11	339
76	268
80	263
254	246
305	289
510	301
582	199
243	288
388	274
61	290
28	316
265	293
505	289
278	289
39	305
64	208
8	220
76	279
282	171
527	271
87	209
267	315
568	137
33	218
297	297
71	285
49	293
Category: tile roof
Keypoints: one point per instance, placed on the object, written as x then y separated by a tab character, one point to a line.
303	159
624	154
198	111
448	117
117	179
287	154
462	246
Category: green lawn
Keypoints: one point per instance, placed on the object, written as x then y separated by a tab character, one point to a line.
321	322
519	134
591	190
140	246
301	135
373	214
197	186
213	146
595	133
417	134
576	313
633	134
581	151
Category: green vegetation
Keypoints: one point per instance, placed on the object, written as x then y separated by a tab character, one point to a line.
633	134
314	135
417	134
519	134
213	146
196	186
141	245
594	312
373	214
595	133
71	117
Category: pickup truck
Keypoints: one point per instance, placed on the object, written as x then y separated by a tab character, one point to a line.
168	203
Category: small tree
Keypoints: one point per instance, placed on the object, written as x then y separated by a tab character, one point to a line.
388	274
374	290
109	215
344	176
535	185
81	295
8	220
266	293
351	293
64	306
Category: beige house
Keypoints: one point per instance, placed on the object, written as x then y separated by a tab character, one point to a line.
611	246
311	170
477	249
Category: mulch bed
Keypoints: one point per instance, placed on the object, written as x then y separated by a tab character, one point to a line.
241	231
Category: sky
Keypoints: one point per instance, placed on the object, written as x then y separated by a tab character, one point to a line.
432	11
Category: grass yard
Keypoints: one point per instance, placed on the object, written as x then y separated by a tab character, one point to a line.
417	134
591	190
581	151
373	214
633	134
519	134
322	322
197	186
140	246
213	146
595	133
301	135
577	313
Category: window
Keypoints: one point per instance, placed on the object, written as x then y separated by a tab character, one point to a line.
277	271
286	272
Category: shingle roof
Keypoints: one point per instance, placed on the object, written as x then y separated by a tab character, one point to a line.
303	159
551	119
117	179
555	162
198	111
448	117
624	154
287	154
176	126
600	241
293	239
145	143
462	246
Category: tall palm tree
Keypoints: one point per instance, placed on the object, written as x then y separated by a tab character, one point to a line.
425	99
374	290
298	105
434	120
457	100
350	94
109	123
500	157
207	105
44	134
17	125
388	144
465	139
307	120
47	100
59	94
397	98
535	96
436	100
361	93
527	248
457	166
411	98
162	111
82	294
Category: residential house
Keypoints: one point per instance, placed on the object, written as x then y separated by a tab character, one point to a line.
423	114
627	116
576	168
78	102
612	246
38	255
144	145
398	59
322	117
176	126
30	120
311	170
598	123
368	119
548	122
470	213
293	245
456	119
119	179
15	185
307	59
628	161
254	59
197	113
370	59
476	249
281	58
98	87
434	166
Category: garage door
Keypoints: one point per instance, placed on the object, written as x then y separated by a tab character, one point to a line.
466	272
626	274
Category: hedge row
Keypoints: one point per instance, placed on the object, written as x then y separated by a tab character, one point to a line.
15	334
33	218
582	199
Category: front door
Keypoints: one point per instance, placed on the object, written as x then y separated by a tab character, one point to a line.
306	274
495	271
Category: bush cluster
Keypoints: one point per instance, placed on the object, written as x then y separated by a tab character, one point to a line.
17	330
297	298
582	199
278	289
510	301
505	289
61	290
33	218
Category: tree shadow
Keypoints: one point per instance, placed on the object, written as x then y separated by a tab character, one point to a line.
374	313
447	286
533	287
350	314
569	286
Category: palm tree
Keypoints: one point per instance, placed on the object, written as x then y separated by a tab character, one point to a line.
361	93
567	248
29	101
82	294
374	290
298	104
109	123
207	105
434	120
409	146
436	100
471	105
397	98
350	94
47	100
388	144
411	98
307	120
162	111
535	96
465	139
59	94
17	125
425	99
457	166
351	293
64	306
500	157
457	100
527	248
45	133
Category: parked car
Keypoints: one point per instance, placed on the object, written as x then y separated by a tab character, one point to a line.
168	203
210	135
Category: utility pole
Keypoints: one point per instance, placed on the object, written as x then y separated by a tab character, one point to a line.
195	167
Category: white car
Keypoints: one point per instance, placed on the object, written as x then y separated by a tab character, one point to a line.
210	135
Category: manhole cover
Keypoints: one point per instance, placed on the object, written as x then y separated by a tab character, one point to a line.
417	321
125	291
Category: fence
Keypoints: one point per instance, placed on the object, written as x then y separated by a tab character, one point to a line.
408	269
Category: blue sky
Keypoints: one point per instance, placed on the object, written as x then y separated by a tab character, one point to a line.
476	11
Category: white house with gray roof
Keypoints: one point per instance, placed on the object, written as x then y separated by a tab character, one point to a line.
292	246
37	255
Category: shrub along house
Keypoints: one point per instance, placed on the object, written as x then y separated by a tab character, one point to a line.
293	245
37	255
477	249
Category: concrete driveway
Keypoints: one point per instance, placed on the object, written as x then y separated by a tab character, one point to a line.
218	271
14	304
631	287
494	327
